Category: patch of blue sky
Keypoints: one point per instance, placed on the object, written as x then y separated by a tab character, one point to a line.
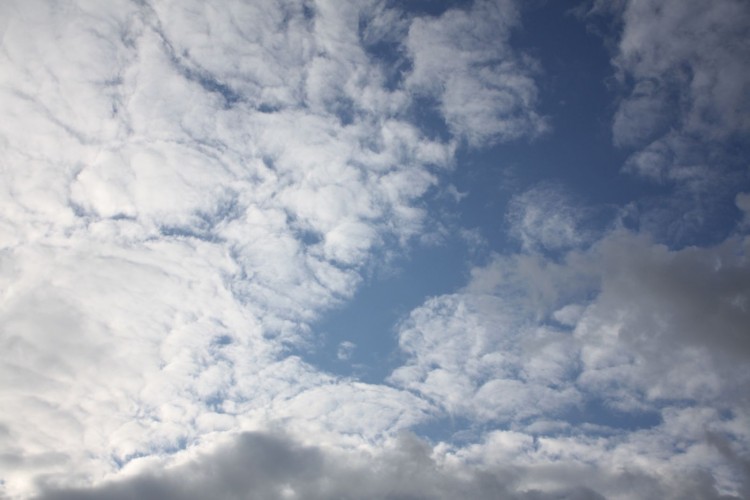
595	411
451	429
369	320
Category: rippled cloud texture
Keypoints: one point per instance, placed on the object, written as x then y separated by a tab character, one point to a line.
190	188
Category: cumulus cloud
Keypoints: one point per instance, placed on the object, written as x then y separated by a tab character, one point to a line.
627	326
627	313
186	188
686	51
474	356
663	313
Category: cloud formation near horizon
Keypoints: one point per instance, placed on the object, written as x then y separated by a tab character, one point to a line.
191	189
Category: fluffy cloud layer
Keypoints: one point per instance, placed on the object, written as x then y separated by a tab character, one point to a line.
187	186
642	346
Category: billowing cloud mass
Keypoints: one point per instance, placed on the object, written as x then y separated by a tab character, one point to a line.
193	192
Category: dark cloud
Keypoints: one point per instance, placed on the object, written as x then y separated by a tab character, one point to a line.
698	296
266	466
259	465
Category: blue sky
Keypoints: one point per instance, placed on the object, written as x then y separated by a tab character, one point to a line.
374	249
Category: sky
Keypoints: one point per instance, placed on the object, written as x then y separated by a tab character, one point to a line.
370	249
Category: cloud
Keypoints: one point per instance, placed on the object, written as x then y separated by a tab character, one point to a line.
681	117
485	91
690	48
663	313
476	357
274	465
625	313
687	88
545	218
185	189
591	343
258	465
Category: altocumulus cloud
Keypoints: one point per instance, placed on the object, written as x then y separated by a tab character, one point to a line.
188	187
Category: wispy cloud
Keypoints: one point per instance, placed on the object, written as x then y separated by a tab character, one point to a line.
484	89
683	65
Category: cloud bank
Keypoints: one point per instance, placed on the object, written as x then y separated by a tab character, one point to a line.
188	187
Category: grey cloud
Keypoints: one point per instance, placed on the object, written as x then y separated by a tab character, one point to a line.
669	324
703	294
260	465
692	47
268	466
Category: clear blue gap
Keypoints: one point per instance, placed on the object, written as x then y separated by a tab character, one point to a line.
596	411
369	320
450	429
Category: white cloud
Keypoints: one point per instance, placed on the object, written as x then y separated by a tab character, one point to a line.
683	65
545	218
642	318
485	91
184	189
479	356
637	328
